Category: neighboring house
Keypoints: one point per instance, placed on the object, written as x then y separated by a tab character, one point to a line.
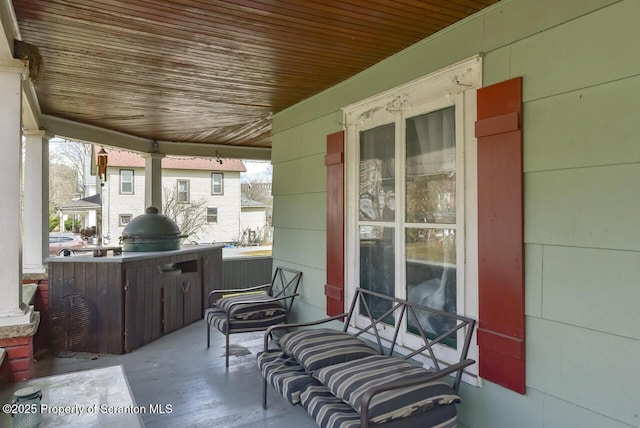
253	222
88	208
414	198
214	185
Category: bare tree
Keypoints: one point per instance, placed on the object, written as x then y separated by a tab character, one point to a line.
63	184
75	155
190	217
258	191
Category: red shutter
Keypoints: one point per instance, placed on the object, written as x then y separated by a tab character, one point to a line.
501	329
334	161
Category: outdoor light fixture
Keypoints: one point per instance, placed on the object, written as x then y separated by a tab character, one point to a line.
102	164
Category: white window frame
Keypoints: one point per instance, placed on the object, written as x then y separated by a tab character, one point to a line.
216	214
133	174
213	183
455	85
121	216
178	191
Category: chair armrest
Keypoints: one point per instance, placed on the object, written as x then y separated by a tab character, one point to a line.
368	395
236	291
273	328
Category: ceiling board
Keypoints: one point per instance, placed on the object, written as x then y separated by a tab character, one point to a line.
211	71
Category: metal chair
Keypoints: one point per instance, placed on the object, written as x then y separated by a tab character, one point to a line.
252	309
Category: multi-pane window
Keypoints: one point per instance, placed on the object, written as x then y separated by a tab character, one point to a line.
418	236
216	183
124	219
212	215
183	191
126	181
410	213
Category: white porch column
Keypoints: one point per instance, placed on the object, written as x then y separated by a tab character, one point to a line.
12	310
35	240
153	180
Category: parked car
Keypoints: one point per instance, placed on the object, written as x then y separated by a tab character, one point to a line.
58	242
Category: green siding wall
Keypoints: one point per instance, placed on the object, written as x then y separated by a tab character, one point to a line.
581	70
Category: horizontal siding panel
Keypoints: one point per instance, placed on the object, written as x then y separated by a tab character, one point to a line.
303	247
313	214
605	276
590	369
533	279
584	52
493	406
312	174
305	311
561	414
281	180
516	20
309	173
286	146
313	292
496	66
585	207
301	211
587	127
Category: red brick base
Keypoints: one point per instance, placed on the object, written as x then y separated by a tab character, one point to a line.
19	358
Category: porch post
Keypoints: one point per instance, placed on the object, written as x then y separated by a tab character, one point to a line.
36	202
153	180
12	310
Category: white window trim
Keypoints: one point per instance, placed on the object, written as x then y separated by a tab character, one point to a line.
221	193
133	174
454	85
120	223
207	215
188	201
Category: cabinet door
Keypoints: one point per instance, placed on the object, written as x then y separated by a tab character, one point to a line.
192	291
143	305
172	304
211	267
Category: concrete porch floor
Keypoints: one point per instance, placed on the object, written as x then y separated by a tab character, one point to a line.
178	369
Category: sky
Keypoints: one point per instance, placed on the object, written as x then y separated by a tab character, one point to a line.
257	171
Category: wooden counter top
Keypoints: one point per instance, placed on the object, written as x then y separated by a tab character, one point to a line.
130	256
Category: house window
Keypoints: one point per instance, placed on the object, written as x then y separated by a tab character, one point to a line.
183	191
126	181
411	189
124	219
216	183
212	215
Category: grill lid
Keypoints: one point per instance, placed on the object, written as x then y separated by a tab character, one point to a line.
151	225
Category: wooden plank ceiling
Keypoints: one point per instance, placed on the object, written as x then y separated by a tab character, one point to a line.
211	71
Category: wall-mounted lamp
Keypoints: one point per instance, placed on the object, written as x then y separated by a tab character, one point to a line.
102	164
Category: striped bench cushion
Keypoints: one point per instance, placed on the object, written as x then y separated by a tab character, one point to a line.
315	349
349	381
327	410
285	375
218	319
257	308
331	412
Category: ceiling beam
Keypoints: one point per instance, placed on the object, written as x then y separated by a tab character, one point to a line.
10	32
9	27
93	134
31	112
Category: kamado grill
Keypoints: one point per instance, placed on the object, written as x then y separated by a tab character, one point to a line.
151	231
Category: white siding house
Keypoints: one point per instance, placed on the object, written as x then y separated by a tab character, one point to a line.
253	222
212	185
